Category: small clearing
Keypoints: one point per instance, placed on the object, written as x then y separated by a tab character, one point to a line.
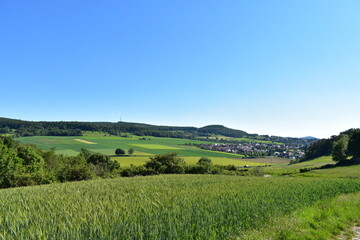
84	141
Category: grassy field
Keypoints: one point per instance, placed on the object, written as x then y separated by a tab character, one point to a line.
143	149
243	139
330	219
255	140
285	169
338	172
141	160
165	207
108	144
294	169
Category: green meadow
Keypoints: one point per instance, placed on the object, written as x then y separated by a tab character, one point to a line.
141	160
143	149
242	139
293	170
286	169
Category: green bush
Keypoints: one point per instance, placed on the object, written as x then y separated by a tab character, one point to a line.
77	173
137	171
204	161
119	151
103	166
166	163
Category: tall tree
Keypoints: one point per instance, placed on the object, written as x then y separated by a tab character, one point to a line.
130	151
119	151
340	147
354	144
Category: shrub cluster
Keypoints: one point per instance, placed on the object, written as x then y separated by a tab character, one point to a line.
171	163
24	165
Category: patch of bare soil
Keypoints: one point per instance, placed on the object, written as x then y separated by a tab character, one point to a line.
84	141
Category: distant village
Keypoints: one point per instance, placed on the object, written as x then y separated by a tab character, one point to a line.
256	149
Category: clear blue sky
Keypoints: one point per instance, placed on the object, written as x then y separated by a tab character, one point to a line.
287	68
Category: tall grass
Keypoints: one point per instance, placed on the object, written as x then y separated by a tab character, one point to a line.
331	219
158	207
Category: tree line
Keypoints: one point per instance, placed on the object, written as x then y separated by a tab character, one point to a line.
44	128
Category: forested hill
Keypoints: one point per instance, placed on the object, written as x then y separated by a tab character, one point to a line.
73	128
224	131
31	128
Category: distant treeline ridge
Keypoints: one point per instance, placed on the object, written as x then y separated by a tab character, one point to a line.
22	128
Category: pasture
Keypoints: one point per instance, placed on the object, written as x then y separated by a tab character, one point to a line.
141	160
220	137
315	169
284	169
144	147
164	207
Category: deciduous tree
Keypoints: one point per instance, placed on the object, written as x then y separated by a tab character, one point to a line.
130	151
339	152
119	151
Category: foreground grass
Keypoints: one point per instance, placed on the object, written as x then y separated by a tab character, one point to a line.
325	220
159	207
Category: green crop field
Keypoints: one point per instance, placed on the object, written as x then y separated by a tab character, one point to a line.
335	172
285	168
243	139
338	172
161	207
97	142
141	160
255	140
155	146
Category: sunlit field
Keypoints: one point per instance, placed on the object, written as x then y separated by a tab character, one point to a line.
159	207
143	149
